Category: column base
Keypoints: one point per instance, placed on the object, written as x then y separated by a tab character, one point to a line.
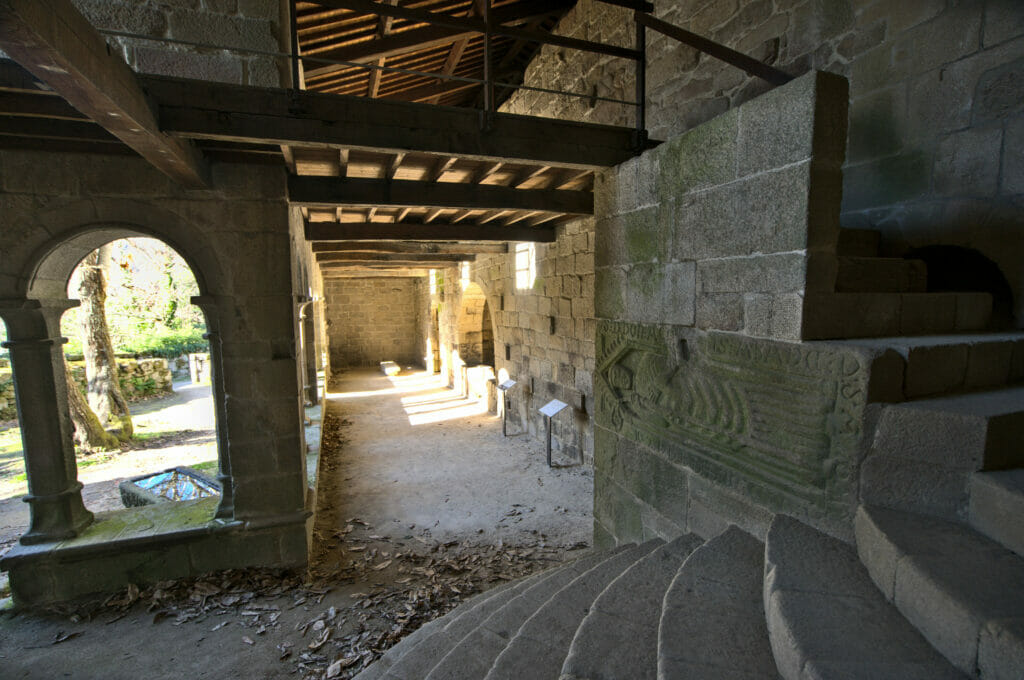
57	517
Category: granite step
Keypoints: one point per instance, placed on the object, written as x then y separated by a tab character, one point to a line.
943	364
410	641
997	506
618	638
826	619
539	648
417	662
925	451
880	275
712	620
963	592
473	656
859	242
831	316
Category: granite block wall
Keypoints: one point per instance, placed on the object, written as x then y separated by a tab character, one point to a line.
234	236
548	332
371	320
709	409
935	118
228	41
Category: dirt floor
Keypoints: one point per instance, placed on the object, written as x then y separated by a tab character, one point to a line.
424	504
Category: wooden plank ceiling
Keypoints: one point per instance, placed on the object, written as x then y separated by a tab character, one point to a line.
385	207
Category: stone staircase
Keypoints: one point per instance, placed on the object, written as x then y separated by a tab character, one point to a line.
933	587
907	602
872	296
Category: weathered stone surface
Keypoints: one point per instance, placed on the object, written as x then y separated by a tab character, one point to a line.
417	662
618	639
925	451
724	423
372	320
930	570
996	506
826	619
712	621
963	164
473	656
542	642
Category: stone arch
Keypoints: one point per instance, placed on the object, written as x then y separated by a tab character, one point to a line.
470	325
77	230
32	318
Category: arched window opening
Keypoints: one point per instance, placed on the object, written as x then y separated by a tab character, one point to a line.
164	448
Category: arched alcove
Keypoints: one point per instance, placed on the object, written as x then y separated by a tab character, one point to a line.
959	269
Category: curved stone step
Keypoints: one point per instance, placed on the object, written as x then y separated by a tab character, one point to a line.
410	641
964	592
472	657
997	507
416	663
712	619
538	650
618	639
826	619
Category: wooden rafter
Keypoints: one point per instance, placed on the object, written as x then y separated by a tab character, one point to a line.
201	110
408	247
329	192
53	41
332	231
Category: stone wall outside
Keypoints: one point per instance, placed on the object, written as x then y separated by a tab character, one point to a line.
936	119
371	320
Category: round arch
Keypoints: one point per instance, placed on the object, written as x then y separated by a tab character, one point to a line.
78	230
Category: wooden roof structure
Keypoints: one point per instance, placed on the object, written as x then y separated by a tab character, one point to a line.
384	142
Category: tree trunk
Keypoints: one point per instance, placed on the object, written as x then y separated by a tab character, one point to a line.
89	432
104	392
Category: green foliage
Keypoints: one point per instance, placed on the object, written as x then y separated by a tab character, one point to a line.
168	343
149	310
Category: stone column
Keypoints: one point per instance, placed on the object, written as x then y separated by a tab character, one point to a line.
37	362
211	312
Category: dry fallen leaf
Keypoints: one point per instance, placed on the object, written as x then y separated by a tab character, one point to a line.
247	640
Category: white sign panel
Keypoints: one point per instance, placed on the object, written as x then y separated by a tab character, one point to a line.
553	407
507	385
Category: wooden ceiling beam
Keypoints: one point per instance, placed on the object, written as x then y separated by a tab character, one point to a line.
390	258
349	231
330	192
49	128
362	273
408	247
201	110
58	45
42	105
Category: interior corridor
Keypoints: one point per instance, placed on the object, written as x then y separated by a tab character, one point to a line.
415	458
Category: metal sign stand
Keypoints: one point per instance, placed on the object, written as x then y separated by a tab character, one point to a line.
504	388
552	408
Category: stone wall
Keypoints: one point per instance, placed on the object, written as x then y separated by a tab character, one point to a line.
235	238
139	378
936	118
8	407
247	31
548	331
709	410
371	320
728	226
